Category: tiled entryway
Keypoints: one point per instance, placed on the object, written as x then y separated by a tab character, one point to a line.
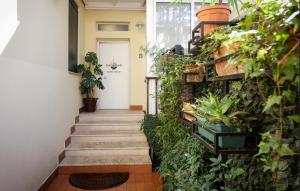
136	182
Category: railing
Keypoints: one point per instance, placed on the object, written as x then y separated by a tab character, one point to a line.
152	99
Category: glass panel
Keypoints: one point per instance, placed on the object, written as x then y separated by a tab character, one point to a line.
173	24
112	27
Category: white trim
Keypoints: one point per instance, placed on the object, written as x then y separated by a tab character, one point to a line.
150	33
114	5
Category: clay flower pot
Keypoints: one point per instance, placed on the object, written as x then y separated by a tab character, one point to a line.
90	104
213	13
194	72
166	57
222	66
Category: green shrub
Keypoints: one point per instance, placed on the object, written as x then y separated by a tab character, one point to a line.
149	124
182	165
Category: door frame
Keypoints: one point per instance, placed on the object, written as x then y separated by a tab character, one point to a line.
116	40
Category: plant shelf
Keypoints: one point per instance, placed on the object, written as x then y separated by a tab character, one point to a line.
184	77
213	146
198	40
227	77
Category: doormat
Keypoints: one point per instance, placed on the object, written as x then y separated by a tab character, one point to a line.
97	181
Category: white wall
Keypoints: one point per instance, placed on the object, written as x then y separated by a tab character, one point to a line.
38	97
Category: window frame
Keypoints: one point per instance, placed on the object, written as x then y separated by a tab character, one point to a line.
72	63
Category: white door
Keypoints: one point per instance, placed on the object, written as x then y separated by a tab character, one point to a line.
114	58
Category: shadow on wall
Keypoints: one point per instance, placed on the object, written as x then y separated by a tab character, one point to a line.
8	21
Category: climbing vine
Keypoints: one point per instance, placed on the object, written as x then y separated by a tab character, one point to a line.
268	40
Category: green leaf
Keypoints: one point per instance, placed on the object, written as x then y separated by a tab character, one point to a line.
261	54
288	94
284	150
272	100
295	118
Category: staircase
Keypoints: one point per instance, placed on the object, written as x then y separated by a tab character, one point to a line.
107	141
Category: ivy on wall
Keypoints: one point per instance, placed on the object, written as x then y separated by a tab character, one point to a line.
269	51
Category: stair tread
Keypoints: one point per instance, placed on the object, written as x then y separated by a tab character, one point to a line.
113	113
103	122
109	133
108	145
105	160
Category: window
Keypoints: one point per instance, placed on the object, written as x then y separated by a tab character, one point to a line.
112	26
173	24
73	36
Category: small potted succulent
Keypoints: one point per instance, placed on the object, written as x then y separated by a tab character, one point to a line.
90	78
220	115
186	99
193	71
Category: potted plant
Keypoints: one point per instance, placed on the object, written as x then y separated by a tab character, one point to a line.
221	55
228	50
215	12
186	99
90	78
220	115
194	72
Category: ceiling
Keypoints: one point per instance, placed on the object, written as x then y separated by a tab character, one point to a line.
115	4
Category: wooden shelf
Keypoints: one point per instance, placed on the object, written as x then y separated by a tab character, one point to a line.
228	77
184	77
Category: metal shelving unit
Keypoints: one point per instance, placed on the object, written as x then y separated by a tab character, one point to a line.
194	47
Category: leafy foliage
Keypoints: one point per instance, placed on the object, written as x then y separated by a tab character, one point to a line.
149	125
90	75
269	52
181	166
216	110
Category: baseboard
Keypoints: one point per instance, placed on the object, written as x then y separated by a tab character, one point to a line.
68	141
72	130
61	156
136	107
77	119
49	180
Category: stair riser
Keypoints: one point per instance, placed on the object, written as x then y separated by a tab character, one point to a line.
106	127
113	152
132	169
111	118
107	138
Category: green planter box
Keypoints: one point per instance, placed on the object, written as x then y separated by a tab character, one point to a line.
224	141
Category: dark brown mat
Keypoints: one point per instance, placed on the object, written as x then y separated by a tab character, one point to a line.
97	181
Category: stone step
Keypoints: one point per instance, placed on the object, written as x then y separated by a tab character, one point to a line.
104	125
108	136
135	118
105	160
112	115
120	163
107	148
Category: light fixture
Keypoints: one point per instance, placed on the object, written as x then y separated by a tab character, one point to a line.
139	25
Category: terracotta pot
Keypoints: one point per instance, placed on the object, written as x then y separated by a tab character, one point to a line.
166	57
194	68
213	13
226	50
189	117
224	69
186	106
90	104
